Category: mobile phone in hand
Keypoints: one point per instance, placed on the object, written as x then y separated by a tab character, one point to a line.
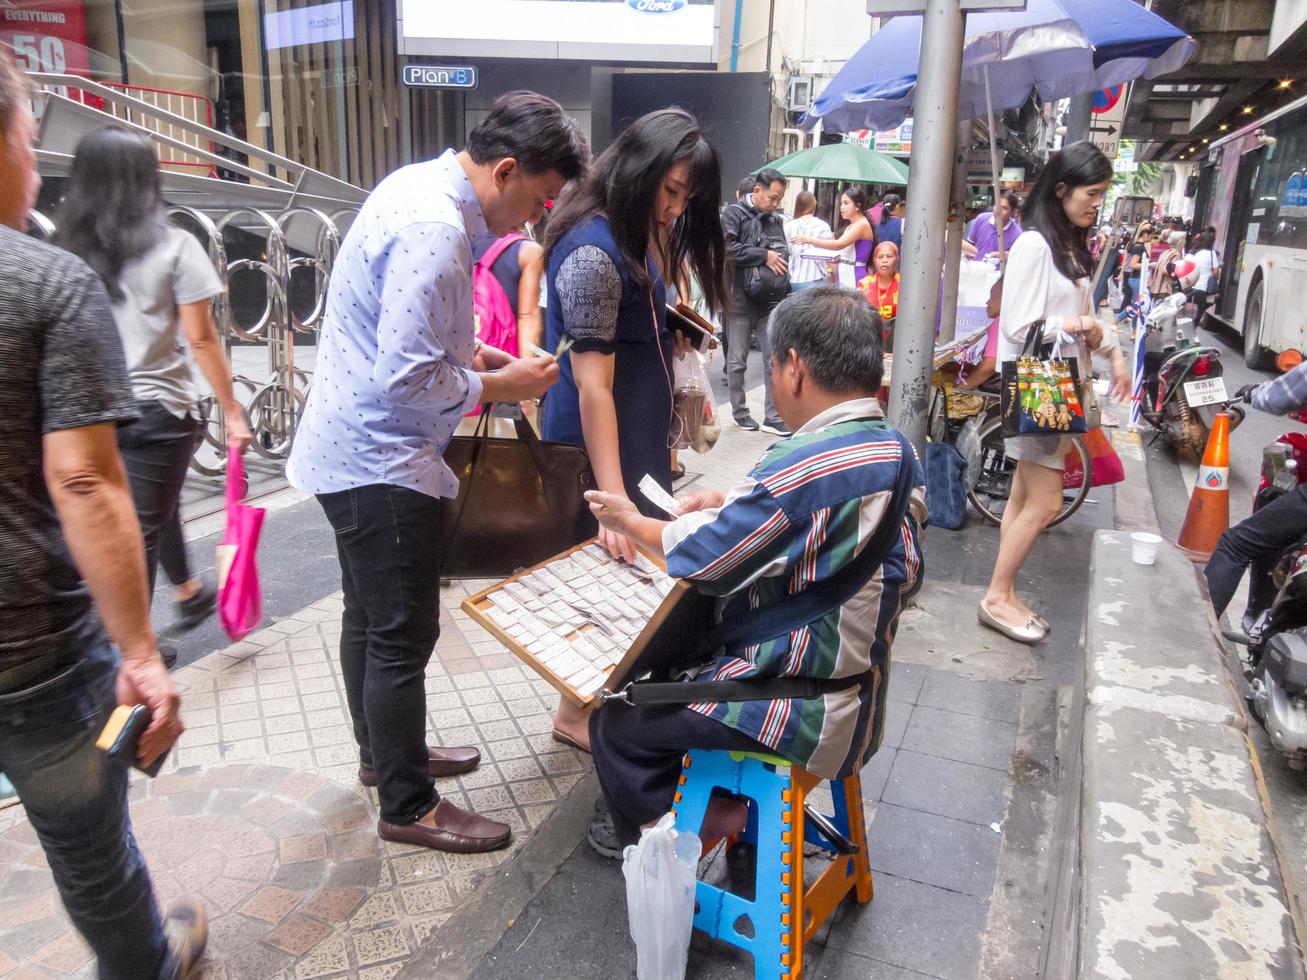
121	736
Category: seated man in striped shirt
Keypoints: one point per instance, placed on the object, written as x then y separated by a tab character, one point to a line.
806	510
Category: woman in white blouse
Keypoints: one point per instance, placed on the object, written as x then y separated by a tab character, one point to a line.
1047	279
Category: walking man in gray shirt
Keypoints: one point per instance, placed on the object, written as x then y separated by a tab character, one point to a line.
398	366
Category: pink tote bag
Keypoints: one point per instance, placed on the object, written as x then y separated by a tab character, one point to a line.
240	601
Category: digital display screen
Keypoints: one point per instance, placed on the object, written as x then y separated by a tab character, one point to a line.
614	31
309	25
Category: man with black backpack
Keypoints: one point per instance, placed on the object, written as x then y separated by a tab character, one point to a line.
756	247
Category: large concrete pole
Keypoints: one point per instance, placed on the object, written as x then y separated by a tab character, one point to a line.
957	228
935	123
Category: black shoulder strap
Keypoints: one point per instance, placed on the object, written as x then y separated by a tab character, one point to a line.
794	611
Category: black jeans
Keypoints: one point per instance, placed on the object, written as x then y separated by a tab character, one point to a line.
156	450
1257	541
637	756
390	545
76	801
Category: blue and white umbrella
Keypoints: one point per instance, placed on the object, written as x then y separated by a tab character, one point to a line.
1059	48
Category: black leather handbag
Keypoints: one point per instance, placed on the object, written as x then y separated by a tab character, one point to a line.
520	501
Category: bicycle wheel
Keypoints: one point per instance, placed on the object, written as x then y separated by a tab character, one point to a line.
989	494
273	419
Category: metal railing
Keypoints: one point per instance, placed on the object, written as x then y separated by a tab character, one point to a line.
171	129
188	105
273	404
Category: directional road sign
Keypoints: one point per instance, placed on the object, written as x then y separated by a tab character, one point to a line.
1106	98
1105	124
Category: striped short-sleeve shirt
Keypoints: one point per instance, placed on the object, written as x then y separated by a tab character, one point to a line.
805	510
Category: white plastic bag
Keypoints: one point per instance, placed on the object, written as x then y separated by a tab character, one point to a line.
695	425
660	876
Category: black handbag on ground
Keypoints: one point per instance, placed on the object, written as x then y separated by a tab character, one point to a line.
757	626
520	501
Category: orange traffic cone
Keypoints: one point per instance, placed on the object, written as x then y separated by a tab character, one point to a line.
1209	508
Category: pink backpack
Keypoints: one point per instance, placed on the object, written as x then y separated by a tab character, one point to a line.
498	327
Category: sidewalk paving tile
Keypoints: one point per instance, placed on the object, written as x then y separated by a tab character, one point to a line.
905	680
843	965
999	700
950	789
960	737
914	926
897	716
925	847
259	810
875	774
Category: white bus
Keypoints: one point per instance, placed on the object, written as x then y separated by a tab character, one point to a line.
1253	189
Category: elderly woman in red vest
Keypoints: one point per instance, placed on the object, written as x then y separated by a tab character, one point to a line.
882	287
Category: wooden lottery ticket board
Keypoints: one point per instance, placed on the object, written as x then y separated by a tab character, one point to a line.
585	622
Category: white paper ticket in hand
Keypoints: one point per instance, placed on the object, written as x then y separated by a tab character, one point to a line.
657	496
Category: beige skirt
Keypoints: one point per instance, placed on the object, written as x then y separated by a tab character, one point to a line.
1045	448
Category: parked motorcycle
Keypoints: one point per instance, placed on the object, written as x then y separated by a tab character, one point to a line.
1276	637
1183	379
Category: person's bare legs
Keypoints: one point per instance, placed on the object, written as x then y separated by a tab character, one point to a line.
1037	490
1016	503
574	722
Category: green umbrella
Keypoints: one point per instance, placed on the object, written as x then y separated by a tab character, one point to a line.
844	161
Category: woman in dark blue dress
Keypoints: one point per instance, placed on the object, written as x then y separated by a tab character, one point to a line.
649	205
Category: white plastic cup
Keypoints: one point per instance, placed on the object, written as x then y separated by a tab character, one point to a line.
1143	547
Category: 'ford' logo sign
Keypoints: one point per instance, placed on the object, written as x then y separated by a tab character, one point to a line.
656	6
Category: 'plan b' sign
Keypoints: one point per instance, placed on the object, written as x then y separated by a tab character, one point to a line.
440	76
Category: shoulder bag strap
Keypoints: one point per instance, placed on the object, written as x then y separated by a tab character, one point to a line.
794	611
1034	345
498	248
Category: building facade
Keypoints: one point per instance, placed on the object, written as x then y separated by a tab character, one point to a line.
324	83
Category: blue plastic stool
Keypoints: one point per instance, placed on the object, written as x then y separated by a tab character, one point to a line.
784	917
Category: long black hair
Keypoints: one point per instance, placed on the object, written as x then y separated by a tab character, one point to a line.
112	211
1077	165
887	207
623	184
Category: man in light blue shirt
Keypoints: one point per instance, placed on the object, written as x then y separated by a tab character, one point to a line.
398	365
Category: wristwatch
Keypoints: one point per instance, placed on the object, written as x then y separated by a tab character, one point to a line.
476	347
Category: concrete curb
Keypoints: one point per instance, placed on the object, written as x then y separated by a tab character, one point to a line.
454	950
1179	872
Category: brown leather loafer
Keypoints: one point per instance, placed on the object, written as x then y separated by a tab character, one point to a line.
442	761
448	828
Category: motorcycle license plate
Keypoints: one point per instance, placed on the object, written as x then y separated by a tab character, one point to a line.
1206	391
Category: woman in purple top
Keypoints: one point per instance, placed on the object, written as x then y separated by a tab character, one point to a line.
982	239
858	232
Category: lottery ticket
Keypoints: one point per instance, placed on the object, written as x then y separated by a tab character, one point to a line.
503	618
657	496
519	592
504	601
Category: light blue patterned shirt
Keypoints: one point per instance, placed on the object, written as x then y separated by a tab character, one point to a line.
393	374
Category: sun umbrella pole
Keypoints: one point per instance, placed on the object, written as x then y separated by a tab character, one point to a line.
957	227
1000	225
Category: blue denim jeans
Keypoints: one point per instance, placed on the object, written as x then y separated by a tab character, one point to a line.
1128	293
77	804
